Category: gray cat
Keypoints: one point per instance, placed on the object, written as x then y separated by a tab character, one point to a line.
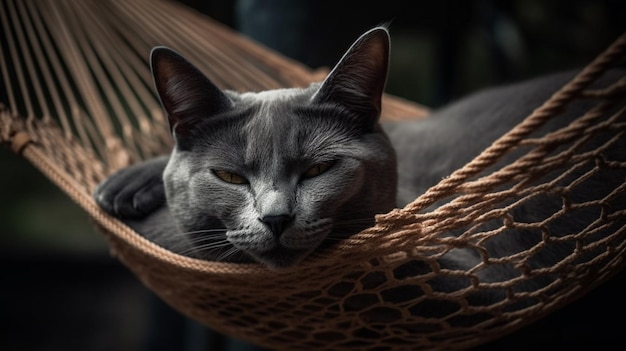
268	176
271	176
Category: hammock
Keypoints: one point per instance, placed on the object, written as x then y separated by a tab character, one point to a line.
77	102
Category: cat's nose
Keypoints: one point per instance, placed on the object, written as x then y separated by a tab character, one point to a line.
276	224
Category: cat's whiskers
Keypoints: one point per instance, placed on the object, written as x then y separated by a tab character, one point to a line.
211	231
208	247
204	243
199	241
202	238
228	253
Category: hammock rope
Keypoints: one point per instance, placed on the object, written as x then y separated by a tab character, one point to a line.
77	102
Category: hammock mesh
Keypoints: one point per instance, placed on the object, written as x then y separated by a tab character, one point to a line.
77	102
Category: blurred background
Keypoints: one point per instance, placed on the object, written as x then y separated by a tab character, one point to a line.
61	289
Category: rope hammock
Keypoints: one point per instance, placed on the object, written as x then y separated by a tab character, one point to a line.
77	102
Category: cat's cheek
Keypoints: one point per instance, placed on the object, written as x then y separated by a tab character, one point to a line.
324	194
306	234
212	196
252	240
344	186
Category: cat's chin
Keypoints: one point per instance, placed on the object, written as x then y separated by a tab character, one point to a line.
280	258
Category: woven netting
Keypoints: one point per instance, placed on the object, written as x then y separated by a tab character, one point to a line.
77	102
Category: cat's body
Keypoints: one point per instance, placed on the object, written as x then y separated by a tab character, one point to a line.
429	150
432	148
272	176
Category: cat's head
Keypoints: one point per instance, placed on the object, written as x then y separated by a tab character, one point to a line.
283	171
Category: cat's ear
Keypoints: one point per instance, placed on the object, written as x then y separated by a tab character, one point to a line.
357	82
185	93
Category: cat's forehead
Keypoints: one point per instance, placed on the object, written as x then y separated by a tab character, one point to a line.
275	127
272	96
281	125
273	113
271	128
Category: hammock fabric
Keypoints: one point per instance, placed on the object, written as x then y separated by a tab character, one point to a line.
78	103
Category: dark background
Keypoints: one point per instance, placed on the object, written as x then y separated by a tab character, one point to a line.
61	290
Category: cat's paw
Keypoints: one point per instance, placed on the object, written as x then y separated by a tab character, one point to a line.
133	192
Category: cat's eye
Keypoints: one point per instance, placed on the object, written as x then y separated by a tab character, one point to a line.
230	177
317	169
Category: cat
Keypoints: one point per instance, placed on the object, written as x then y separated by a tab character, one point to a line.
268	176
271	176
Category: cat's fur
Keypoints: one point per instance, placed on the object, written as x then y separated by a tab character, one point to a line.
274	175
